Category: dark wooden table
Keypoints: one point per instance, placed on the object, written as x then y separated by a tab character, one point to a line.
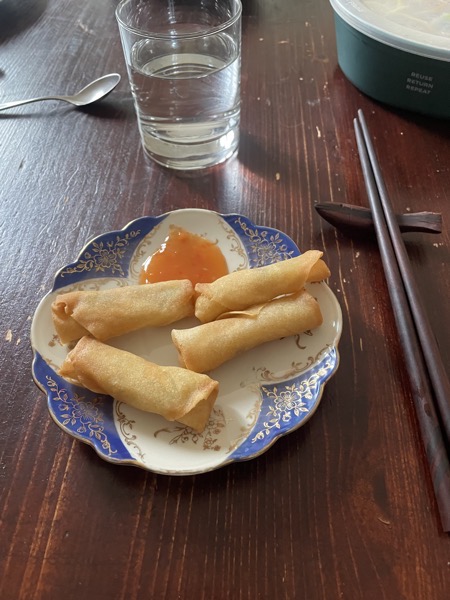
341	508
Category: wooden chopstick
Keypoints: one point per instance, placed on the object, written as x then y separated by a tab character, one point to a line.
422	357
433	359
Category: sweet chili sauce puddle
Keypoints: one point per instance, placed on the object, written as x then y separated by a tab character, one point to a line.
184	255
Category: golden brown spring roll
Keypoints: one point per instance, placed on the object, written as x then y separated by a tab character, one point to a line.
207	346
175	393
241	289
112	312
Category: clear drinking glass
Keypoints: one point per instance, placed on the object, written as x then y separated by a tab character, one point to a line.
183	60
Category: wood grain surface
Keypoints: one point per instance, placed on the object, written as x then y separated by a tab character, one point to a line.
342	508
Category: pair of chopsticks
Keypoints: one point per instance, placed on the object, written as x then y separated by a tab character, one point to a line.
429	381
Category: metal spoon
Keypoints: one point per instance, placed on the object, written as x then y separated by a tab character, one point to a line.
92	92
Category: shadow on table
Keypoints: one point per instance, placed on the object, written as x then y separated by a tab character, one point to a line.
15	16
116	108
255	156
252	154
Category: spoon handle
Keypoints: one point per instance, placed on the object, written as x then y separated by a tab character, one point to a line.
29	101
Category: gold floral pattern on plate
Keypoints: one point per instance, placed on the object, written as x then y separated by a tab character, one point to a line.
103	256
289	401
235	245
126	429
295	368
81	416
267	246
145	248
208	439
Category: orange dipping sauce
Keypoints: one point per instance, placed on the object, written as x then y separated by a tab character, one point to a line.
184	255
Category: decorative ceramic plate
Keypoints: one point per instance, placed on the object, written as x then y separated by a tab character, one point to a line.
263	394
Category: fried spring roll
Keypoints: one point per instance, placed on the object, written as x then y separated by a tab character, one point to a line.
241	289
207	346
112	312
175	393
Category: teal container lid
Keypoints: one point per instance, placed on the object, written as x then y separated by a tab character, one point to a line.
419	27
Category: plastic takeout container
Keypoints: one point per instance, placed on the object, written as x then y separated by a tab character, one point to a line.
397	51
